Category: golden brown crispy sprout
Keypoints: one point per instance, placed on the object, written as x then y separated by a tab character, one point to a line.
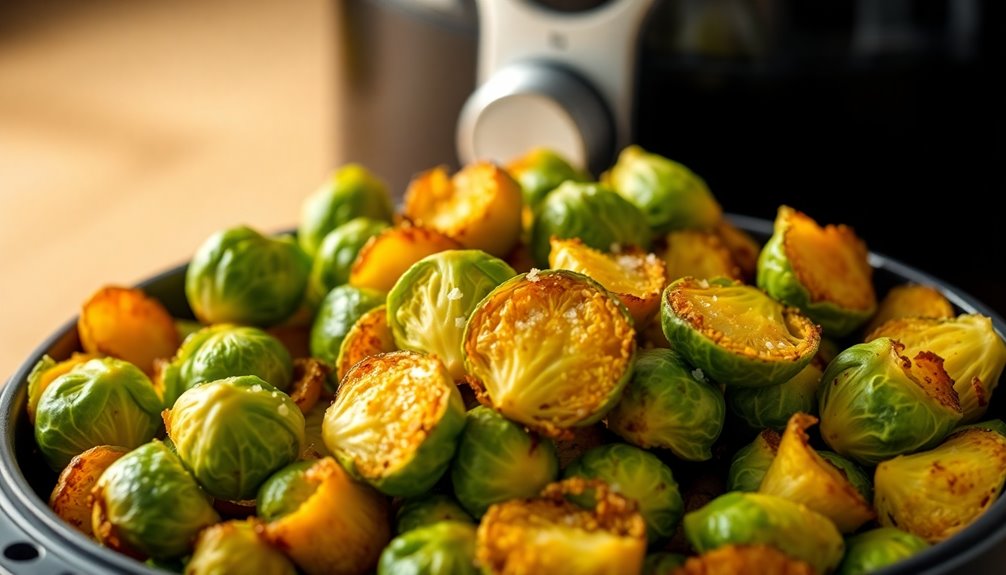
71	498
127	324
742	559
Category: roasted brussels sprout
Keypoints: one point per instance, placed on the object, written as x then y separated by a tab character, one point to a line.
751	462
285	491
443	548
350	192
822	271
736	334
697	253
234	433
772	406
592	212
430	304
744	249
240	276
540	171
871	550
386	256
395	422
147	505
550	349
736	559
370	335
738	518
910	300
854	473
497	461
662	563
877	403
45	372
334	260
128	324
71	498
102	402
671	195
427	510
339	311
973	353
667	404
237	547
935	494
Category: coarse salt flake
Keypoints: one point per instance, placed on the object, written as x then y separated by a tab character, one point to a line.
455	294
256	388
532	276
769	345
698	375
283	410
704	284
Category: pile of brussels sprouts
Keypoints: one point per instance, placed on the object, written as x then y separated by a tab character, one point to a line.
525	371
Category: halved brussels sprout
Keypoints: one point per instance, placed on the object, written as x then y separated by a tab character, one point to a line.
128	324
735	333
799	474
540	171
370	335
910	300
668	404
447	547
497	460
638	475
973	353
552	535
671	195
751	462
480	206
234	433
662	563
430	304
237	547
46	371
395	422
736	559
240	276
636	277
592	212
935	494
340	528
738	518
105	401
550	349
339	311
71	498
854	473
336	254
386	256
744	249
822	271
772	406
697	253
350	192
147	505
429	509
877	403
871	550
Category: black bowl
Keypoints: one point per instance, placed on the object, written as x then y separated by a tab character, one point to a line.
34	540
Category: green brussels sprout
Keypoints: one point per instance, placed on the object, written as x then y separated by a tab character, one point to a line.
147	504
749	464
662	563
996	425
738	518
338	312
102	402
444	548
234	433
589	211
336	254
871	550
236	547
854	473
284	491
241	276
540	171
822	271
772	406
637	475
877	403
497	460
736	334
395	422
667	404
427	510
430	304
671	195
350	192
551	350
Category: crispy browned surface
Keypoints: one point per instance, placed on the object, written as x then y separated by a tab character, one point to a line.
698	253
386	256
744	560
309	377
370	335
926	371
125	323
71	498
910	300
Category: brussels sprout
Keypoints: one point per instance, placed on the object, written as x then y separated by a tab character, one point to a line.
234	433
551	350
540	171
910	300
386	256
738	518
497	460
240	276
236	547
350	192
854	473
340	309
45	371
735	333
671	195
592	212
102	402
744	250
973	353
736	559
935	494
550	534
370	335
751	462
147	504
799	474
638	475
395	422
662	563
877	403
430	304
340	528
480	206
772	406
871	550
285	491
71	498
444	548
667	404
697	253
429	509
336	254
128	324
822	271
996	425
